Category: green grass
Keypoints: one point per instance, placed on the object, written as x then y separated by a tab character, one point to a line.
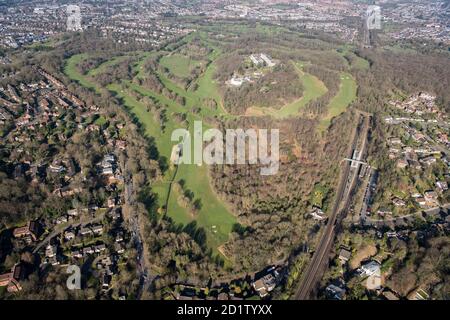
207	86
313	88
206	89
400	49
213	211
102	67
361	63
179	65
101	121
340	102
214	216
356	61
71	70
318	195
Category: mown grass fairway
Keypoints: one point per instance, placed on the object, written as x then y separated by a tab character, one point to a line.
213	216
72	72
179	65
338	105
101	68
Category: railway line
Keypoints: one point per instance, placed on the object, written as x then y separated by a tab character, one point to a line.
347	181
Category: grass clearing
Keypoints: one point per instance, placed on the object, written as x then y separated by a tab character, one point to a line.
179	65
340	102
313	88
318	195
102	67
207	86
71	70
363	253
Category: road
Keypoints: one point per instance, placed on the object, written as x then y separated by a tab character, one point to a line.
60	228
319	260
428	212
439	147
433	143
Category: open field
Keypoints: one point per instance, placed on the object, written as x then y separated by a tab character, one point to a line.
179	65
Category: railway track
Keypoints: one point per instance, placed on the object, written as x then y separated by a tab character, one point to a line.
342	202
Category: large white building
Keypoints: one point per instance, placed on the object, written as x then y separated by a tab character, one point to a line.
262	59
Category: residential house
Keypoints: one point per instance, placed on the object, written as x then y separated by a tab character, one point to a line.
119	237
32	229
120	248
318	214
51	251
67	191
442	186
97	229
107	171
398	202
223	296
418	294
5	279
390	295
87	251
344	255
264	285
69	235
431	197
106	281
402	163
335	292
54	168
85	231
76	254
99	248
391	234
115	214
62	219
428	160
421	201
11	279
395	141
111	203
369	268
